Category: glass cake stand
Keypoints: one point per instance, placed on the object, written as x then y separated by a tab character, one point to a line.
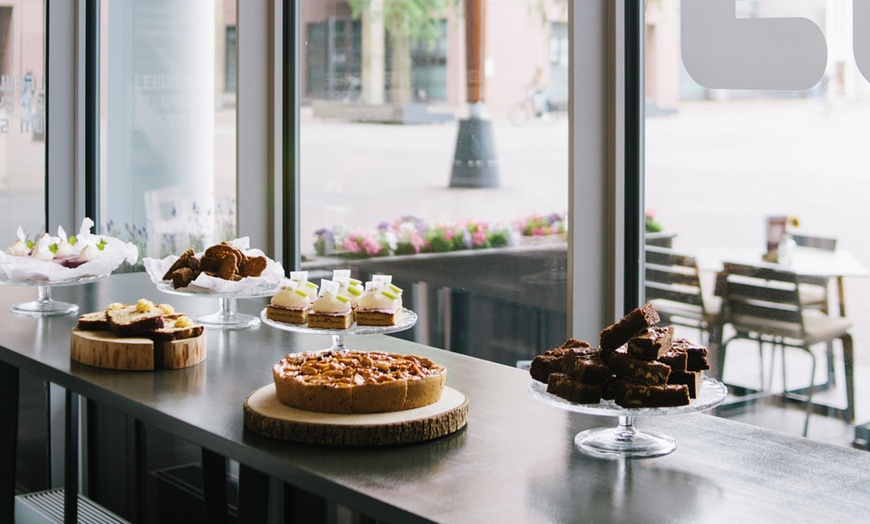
226	317
44	306
625	440
409	318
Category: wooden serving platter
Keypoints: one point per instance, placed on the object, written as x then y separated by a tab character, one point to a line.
265	415
103	349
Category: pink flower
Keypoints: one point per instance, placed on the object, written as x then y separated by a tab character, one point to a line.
371	246
350	244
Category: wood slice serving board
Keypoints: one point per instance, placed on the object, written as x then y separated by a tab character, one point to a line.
103	349
265	415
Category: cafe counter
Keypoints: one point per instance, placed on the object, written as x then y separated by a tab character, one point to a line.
514	461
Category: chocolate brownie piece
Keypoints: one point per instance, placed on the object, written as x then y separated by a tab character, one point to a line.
692	379
548	362
563	386
651	343
587	368
649	372
675	358
696	355
616	335
630	394
551	361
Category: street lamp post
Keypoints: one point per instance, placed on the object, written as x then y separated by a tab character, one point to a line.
474	163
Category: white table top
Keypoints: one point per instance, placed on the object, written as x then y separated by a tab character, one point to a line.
805	261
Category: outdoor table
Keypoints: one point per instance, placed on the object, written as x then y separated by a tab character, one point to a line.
806	262
515	461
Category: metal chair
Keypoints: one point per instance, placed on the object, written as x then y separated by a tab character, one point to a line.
763	304
673	286
814	290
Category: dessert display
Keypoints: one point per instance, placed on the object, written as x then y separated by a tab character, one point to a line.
340	304
223	261
357	382
638	364
330	310
380	305
137	337
63	258
228	268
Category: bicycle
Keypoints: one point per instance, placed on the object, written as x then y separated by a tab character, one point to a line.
534	105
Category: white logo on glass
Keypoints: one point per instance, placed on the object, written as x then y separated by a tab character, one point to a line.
721	51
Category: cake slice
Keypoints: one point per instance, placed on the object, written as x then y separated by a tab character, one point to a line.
651	343
649	372
177	326
675	359
96	321
618	334
692	379
563	386
696	355
330	310
552	360
630	394
134	320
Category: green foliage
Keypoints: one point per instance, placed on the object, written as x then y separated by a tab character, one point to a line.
414	19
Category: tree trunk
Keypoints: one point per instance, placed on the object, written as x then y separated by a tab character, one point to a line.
400	76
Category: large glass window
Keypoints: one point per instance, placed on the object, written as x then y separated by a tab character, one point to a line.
167	123
749	150
22	118
406	170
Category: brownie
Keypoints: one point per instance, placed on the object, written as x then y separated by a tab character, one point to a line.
563	386
551	361
696	359
651	343
585	367
618	334
675	359
630	394
649	372
692	379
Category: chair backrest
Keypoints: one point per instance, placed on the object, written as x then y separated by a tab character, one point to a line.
825	243
671	275
761	299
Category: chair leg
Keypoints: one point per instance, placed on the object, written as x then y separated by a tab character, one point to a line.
849	367
761	364
810	390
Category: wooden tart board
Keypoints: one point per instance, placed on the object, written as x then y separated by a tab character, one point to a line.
104	349
265	415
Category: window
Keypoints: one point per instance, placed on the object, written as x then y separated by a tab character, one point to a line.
22	118
484	267
771	130
167	124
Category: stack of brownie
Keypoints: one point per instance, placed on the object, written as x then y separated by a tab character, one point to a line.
637	364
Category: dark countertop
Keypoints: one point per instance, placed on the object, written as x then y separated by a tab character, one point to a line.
514	462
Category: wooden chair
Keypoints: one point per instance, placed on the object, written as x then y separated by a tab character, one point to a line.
763	304
673	286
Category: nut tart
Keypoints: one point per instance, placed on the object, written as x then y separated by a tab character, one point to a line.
357	381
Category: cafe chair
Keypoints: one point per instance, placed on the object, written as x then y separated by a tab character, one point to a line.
673	286
814	290
763	304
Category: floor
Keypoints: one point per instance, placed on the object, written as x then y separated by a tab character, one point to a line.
742	369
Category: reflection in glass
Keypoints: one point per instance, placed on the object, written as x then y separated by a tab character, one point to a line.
167	172
721	162
22	118
380	133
